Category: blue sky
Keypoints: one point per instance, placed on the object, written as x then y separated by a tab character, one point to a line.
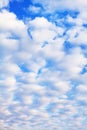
43	65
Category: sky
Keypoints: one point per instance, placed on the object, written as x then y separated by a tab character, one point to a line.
43	65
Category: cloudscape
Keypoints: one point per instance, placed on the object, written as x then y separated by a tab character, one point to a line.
43	65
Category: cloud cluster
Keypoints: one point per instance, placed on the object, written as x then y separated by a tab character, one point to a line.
43	69
62	5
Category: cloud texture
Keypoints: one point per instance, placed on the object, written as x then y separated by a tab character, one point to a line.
43	66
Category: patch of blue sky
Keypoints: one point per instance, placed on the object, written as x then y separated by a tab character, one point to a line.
21	10
14	37
63	111
19	7
1	54
85	120
54	66
64	24
85	25
39	72
67	25
1	77
24	68
84	49
83	46
50	63
17	97
73	14
67	46
44	44
82	103
72	93
75	83
29	32
36	101
64	13
84	70
50	107
21	80
48	85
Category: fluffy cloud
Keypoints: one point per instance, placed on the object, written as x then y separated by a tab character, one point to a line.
34	9
42	26
9	34
42	79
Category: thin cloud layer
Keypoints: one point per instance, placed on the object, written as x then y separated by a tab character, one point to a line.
4	3
62	5
43	66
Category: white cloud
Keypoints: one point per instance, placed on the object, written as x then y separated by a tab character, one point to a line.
40	22
82	89
12	33
9	69
4	3
42	30
77	35
38	96
74	63
34	9
7	87
14	25
62	86
51	6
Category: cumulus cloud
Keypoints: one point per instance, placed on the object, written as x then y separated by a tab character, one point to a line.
43	69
